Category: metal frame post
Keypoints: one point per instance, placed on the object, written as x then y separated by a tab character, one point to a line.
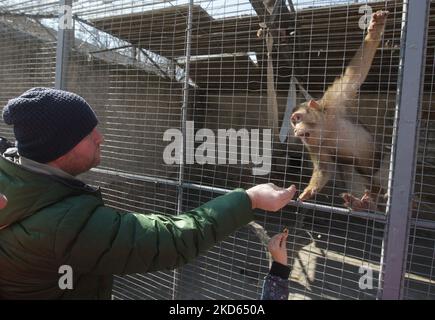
186	88
403	157
65	39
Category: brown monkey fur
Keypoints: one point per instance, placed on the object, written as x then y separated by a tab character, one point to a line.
331	137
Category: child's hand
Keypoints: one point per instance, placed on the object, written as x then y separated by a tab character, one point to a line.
278	248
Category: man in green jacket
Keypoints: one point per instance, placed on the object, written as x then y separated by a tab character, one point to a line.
55	222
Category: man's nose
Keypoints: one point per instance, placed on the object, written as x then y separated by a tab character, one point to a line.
99	137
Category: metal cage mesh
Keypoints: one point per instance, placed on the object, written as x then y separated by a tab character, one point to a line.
145	69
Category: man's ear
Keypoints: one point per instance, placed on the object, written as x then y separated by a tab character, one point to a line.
313	104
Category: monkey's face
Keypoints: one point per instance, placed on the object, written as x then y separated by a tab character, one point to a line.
307	123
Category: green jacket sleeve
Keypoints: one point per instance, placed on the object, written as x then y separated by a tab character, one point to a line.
115	243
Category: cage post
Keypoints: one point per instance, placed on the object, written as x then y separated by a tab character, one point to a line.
414	33
183	122
65	39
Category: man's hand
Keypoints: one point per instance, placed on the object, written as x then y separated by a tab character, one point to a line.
3	201
278	248
269	197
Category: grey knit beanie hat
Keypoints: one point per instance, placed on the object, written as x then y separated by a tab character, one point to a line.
48	122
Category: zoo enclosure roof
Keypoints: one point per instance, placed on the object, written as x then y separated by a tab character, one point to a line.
227	51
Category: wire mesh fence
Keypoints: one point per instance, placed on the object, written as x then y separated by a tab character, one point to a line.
205	71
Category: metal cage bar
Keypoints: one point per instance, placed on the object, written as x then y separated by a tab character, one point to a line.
306	205
186	88
414	34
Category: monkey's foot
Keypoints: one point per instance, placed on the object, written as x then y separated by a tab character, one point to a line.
363	204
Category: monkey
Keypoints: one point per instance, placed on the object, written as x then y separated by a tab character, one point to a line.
328	133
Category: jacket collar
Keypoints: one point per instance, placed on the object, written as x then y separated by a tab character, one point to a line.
54	173
43	168
29	191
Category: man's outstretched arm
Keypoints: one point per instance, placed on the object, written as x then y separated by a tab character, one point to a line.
114	243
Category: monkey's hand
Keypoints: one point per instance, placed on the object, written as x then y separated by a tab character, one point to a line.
377	24
308	193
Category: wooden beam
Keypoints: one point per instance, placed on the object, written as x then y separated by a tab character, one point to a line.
259	8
